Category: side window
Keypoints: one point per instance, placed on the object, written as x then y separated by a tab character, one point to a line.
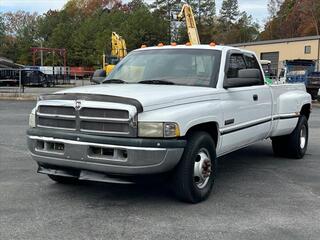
236	62
252	63
252	74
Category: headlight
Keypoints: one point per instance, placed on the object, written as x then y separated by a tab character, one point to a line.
32	118
156	129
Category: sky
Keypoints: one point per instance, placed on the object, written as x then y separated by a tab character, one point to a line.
257	8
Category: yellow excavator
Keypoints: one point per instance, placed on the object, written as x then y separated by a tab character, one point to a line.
118	51
187	14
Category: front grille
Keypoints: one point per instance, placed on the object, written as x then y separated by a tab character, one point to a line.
56	123
121	128
104	113
56	110
113	122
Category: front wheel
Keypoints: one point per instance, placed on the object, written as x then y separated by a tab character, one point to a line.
295	144
194	175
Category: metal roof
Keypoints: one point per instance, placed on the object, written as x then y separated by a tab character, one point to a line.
298	39
7	63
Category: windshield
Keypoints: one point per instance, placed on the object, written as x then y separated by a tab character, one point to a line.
192	67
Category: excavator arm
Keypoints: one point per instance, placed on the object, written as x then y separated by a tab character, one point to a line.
119	48
187	14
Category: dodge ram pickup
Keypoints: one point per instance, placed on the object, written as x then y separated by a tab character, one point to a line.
167	109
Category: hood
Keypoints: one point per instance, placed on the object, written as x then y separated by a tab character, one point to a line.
149	95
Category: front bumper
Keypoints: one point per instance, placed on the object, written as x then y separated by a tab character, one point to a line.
109	155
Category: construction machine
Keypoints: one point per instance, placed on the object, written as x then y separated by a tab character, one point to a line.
187	14
118	51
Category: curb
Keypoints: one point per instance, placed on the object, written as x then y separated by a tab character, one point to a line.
15	97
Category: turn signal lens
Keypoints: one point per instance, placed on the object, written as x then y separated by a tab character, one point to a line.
171	130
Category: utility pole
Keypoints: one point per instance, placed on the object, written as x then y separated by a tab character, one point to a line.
41	54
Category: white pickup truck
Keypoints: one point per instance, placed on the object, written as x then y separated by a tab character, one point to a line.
167	109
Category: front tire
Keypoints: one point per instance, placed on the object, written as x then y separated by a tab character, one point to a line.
295	144
194	175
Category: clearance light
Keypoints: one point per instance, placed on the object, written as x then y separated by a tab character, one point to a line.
188	44
174	44
212	44
143	46
160	45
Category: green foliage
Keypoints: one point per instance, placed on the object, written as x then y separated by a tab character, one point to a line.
229	11
84	27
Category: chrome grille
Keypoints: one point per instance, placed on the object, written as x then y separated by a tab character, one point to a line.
56	123
57	110
104	113
121	128
113	122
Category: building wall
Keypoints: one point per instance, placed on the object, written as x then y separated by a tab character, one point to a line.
287	50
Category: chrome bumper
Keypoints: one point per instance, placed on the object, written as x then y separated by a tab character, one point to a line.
104	157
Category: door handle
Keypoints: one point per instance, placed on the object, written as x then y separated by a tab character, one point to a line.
255	97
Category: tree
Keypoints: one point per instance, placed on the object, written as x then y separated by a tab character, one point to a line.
229	11
273	7
2	30
295	18
207	11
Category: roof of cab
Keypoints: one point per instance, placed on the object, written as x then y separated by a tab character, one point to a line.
202	46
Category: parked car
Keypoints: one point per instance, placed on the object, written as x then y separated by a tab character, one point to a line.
34	77
169	109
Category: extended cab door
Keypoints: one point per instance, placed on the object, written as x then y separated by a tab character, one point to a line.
247	109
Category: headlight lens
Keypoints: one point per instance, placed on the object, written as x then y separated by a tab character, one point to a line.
156	129
32	119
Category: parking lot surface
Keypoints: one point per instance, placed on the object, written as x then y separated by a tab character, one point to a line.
256	196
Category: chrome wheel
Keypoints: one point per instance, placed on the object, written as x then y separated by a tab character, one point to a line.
303	136
202	168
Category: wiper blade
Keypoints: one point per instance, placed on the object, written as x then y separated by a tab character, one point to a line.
157	81
114	80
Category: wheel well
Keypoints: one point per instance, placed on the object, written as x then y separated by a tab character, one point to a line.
306	110
209	127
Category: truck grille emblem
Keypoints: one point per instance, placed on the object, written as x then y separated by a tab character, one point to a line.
77	105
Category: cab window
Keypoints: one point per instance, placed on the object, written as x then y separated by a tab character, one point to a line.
240	61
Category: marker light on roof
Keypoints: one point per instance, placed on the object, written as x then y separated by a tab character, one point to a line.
212	44
160	45
143	46
174	44
188	44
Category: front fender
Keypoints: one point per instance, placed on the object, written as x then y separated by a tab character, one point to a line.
186	115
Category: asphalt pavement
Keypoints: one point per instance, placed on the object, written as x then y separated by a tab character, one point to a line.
256	196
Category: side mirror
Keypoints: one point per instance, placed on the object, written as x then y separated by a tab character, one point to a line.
246	77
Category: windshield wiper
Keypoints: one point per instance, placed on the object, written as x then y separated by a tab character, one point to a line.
114	80
156	81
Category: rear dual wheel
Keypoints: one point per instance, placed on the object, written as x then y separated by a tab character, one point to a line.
295	144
